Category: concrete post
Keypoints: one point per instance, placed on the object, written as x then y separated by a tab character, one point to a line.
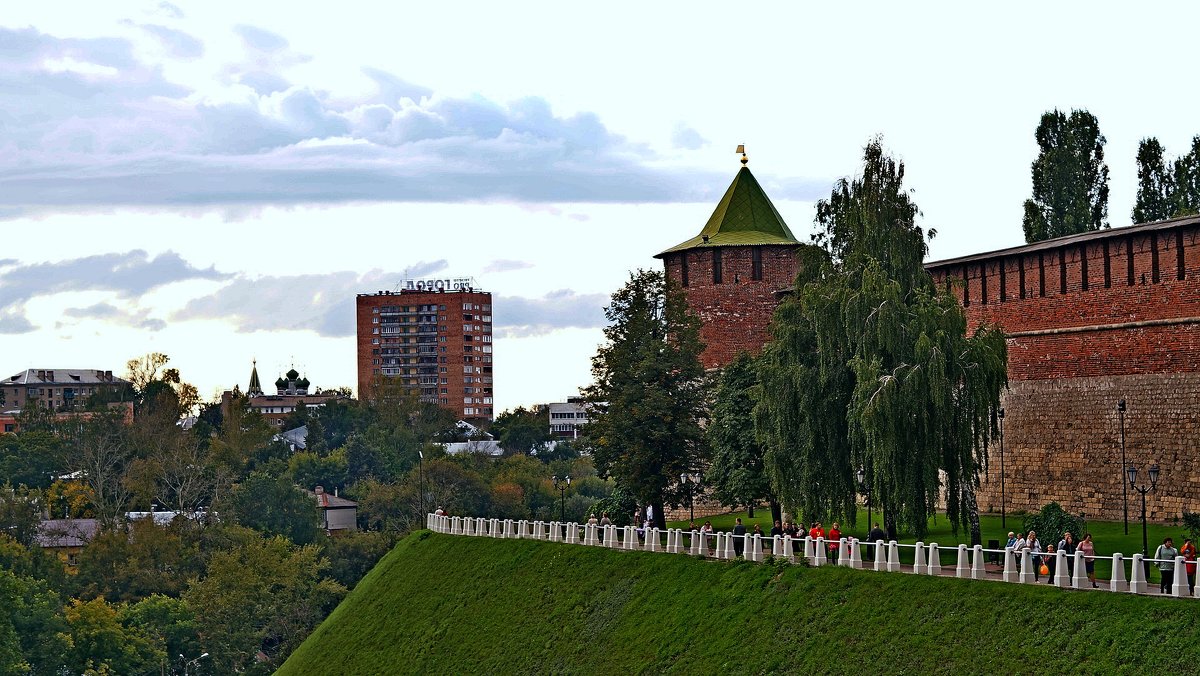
1026	567
1117	582
809	549
480	526
1180	588
509	530
962	568
652	540
1061	578
757	545
919	558
695	550
934	566
1080	579
789	548
855	554
880	556
429	520
455	526
819	552
719	545
522	529
1137	577
893	564
1010	565
729	553
776	546
571	533
977	571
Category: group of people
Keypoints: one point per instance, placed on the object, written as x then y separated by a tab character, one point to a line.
1165	557
1045	562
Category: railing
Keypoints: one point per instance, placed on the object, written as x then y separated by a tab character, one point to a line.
1018	566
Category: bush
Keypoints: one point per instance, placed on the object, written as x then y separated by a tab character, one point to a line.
1051	522
1191	523
620	507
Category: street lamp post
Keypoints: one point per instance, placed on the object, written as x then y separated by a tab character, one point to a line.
187	665
865	489
1003	524
560	485
690	479
1131	473
421	478
1124	489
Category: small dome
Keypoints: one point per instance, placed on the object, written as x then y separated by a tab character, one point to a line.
292	374
281	383
303	383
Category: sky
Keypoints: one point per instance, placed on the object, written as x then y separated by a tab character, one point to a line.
217	180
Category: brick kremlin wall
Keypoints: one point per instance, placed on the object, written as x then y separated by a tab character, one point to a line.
1092	319
736	314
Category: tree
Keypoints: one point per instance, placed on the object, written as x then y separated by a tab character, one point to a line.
137	561
871	367
276	507
737	474
101	644
1070	178
1156	184
103	454
265	595
649	393
1187	181
522	430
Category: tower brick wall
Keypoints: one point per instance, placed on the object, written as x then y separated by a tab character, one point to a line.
1090	320
735	313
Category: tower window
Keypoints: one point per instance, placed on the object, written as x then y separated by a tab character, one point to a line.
716	266
756	264
683	267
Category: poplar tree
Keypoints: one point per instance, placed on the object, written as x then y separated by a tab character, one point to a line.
649	392
737	475
1156	183
1187	182
871	367
1070	178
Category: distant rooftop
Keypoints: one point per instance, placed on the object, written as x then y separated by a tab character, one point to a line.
63	377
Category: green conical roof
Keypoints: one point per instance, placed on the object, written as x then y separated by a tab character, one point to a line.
254	384
743	217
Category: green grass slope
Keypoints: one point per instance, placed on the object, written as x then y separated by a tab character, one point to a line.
452	604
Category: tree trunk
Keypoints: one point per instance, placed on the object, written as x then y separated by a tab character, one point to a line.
660	515
776	512
972	506
750	510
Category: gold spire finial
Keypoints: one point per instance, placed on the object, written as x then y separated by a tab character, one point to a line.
742	149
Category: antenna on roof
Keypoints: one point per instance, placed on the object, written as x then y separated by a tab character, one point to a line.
742	149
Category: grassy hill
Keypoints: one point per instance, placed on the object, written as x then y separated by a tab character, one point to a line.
453	604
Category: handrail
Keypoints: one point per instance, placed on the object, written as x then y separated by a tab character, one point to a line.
1018	565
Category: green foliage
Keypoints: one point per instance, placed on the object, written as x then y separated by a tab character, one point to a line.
20	513
649	392
620	507
1051	522
30	458
871	367
168	621
31	622
595	611
310	470
1156	184
136	561
101	644
264	595
737	474
1187	181
1070	178
1191	522
352	555
522	430
275	506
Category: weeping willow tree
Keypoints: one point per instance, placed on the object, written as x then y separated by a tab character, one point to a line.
871	367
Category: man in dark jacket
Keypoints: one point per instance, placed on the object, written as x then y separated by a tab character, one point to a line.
739	538
875	535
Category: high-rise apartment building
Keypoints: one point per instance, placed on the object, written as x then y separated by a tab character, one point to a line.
434	339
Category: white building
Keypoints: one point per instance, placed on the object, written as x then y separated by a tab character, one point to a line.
568	418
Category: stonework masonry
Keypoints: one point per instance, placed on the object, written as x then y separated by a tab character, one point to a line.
735	313
1092	319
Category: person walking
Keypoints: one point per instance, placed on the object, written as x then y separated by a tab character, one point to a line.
1067	545
1188	552
1034	546
1165	555
835	534
1089	561
739	538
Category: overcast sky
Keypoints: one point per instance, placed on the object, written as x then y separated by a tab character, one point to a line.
216	180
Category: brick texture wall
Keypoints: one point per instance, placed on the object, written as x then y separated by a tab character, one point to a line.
735	314
1117	316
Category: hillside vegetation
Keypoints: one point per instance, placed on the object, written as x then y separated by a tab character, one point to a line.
453	604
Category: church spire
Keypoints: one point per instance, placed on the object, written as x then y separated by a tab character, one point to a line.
255	389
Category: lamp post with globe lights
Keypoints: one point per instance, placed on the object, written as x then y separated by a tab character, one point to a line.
561	485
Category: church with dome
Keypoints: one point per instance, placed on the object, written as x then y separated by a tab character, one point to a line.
292	391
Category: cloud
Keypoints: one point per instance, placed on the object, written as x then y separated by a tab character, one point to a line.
87	124
504	265
129	275
177	42
519	317
320	303
110	313
687	138
169	10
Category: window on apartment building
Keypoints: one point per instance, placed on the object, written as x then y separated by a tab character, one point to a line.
756	263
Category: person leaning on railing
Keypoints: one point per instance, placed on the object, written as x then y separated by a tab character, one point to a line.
1165	555
1089	552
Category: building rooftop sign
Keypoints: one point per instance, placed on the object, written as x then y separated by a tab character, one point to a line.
458	284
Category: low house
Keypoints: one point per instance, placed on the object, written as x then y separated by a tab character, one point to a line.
66	538
338	514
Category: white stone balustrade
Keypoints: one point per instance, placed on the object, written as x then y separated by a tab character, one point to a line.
1060	569
819	552
893	564
933	565
880	556
1180	587
919	558
1116	582
1137	576
977	571
961	567
1080	579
